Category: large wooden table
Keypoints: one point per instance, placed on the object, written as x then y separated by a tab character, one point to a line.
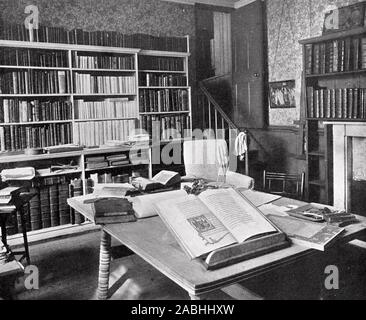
151	240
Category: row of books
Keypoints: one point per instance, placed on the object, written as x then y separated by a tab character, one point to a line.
33	58
99	132
99	162
15	110
341	103
161	63
87	84
170	126
105	62
13	138
106	109
341	55
164	100
34	82
11	31
109	177
48	208
162	80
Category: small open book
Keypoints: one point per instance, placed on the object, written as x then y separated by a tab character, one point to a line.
213	220
163	180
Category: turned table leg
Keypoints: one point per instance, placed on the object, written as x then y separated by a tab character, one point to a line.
104	266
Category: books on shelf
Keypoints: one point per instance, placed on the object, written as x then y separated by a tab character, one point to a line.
161	63
92	84
170	126
340	103
19	110
35	82
305	233
96	133
340	55
33	58
13	137
148	79
104	62
106	109
163	100
213	220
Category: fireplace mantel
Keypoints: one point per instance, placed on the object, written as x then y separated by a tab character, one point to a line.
343	133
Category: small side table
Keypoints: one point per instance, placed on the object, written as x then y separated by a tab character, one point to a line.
17	201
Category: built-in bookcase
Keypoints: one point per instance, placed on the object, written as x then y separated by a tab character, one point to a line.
54	94
335	90
164	94
58	93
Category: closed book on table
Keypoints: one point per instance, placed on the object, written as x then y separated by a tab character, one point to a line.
305	233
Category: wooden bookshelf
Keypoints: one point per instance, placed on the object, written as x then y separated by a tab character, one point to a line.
335	90
89	80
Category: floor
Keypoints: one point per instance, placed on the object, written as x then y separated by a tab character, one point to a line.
68	269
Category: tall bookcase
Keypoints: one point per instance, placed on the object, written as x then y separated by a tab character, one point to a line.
335	90
164	94
58	93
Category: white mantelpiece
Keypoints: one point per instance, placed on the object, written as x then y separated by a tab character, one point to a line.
343	132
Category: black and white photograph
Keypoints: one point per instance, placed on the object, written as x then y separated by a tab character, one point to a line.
171	154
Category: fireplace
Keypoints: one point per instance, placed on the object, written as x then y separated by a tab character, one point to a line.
349	166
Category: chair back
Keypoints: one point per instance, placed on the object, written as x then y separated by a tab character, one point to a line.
203	158
285	184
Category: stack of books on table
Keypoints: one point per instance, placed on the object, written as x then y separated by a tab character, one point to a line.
109	210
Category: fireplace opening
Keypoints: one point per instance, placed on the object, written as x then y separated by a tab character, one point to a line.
358	181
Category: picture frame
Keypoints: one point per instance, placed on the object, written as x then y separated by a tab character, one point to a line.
282	94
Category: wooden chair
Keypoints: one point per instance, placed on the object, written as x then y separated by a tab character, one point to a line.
285	184
17	205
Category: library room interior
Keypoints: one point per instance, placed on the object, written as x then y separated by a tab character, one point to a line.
183	150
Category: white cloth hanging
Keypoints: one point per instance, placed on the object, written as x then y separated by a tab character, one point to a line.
241	145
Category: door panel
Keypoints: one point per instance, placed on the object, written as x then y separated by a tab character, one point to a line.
248	65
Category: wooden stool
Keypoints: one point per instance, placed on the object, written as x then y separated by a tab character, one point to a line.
18	201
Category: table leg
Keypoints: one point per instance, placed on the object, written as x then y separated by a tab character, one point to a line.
104	266
3	231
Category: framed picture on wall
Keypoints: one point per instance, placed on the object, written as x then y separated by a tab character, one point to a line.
282	94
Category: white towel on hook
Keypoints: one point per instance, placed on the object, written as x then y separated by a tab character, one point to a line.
241	145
